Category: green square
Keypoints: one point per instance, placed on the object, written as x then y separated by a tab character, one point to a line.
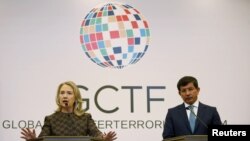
105	27
98	21
105	13
83	47
92	21
148	33
104	52
130	33
81	30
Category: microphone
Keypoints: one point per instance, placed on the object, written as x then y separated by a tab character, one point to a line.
66	104
202	122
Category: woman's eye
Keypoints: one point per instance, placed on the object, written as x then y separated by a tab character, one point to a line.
69	93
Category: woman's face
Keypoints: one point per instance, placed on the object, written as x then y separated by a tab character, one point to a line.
66	97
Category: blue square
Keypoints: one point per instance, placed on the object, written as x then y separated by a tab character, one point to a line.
143	32
117	50
137	41
98	28
130	49
86	38
124	56
101	44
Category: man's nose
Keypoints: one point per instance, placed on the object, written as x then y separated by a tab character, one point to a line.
188	92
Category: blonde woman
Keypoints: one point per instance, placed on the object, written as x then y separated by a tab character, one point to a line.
69	119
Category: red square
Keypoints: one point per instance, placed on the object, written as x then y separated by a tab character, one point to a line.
127	12
118	18
88	46
83	22
81	39
111	57
99	14
92	37
137	11
94	45
110	8
145	24
131	41
114	34
134	24
125	17
99	36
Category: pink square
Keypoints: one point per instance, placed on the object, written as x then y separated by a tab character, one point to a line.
114	34
99	36
131	41
145	24
112	57
88	46
92	37
81	39
94	45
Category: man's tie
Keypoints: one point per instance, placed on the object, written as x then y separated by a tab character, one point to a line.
192	118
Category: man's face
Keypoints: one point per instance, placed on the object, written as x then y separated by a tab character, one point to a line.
189	93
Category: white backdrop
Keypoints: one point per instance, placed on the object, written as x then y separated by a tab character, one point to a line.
40	48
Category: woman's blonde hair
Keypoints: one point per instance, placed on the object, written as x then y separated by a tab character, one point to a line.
78	98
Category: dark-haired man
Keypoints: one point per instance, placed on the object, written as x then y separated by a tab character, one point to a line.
191	117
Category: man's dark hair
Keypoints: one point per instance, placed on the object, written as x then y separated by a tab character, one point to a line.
185	80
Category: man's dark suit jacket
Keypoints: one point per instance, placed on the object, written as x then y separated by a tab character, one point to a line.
177	124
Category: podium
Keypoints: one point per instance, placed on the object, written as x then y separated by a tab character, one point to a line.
66	138
188	138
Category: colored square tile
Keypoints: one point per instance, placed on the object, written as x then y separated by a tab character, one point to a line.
92	37
145	24
112	57
130	33
143	32
137	41
99	36
121	25
119	18
86	38
117	50
123	33
114	34
131	41
98	28
108	43
92	21
124	17
101	44
105	27
104	52
137	17
99	14
126	11
111	19
98	20
134	24
94	45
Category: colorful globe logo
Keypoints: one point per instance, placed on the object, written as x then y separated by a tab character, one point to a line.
114	35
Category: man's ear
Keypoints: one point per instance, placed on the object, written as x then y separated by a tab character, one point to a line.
198	89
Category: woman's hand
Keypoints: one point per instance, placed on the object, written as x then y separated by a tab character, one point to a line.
110	136
28	134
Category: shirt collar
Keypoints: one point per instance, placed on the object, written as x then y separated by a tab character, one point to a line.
196	104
